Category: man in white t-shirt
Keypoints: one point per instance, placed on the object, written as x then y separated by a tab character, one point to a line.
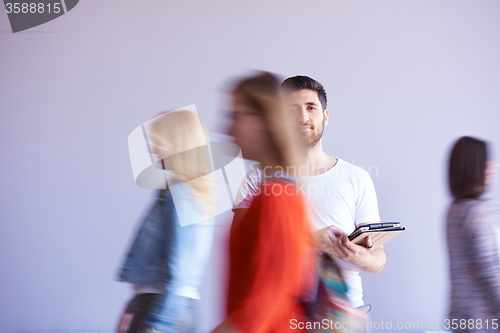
342	195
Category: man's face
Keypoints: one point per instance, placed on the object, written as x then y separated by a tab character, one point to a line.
311	119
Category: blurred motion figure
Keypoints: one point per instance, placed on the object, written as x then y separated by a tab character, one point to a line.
471	229
272	255
167	259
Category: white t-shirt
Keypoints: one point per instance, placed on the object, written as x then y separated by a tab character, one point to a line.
343	196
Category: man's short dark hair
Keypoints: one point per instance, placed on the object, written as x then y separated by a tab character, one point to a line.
467	168
296	83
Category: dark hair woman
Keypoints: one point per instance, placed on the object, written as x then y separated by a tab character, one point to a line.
471	229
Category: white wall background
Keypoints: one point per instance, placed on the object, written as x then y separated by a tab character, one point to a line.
404	80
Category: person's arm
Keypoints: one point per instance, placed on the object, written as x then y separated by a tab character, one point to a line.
336	243
369	261
483	252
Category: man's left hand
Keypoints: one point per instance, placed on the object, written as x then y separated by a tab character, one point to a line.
370	261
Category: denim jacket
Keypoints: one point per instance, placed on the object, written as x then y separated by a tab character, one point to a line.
165	252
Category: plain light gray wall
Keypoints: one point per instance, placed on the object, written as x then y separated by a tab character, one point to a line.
404	79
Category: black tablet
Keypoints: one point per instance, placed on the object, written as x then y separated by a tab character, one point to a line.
380	232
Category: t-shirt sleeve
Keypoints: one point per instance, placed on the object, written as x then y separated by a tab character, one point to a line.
249	189
366	201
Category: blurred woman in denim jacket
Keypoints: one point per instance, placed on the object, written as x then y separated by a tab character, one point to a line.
169	254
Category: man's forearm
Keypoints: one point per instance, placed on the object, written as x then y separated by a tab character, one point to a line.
369	261
376	262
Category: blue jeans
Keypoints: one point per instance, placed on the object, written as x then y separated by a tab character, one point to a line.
159	313
177	315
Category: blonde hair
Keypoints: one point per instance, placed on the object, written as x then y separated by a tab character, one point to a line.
181	142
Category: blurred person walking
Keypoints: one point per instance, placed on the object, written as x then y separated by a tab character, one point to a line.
472	227
272	254
167	259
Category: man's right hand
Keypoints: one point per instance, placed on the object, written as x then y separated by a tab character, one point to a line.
326	237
